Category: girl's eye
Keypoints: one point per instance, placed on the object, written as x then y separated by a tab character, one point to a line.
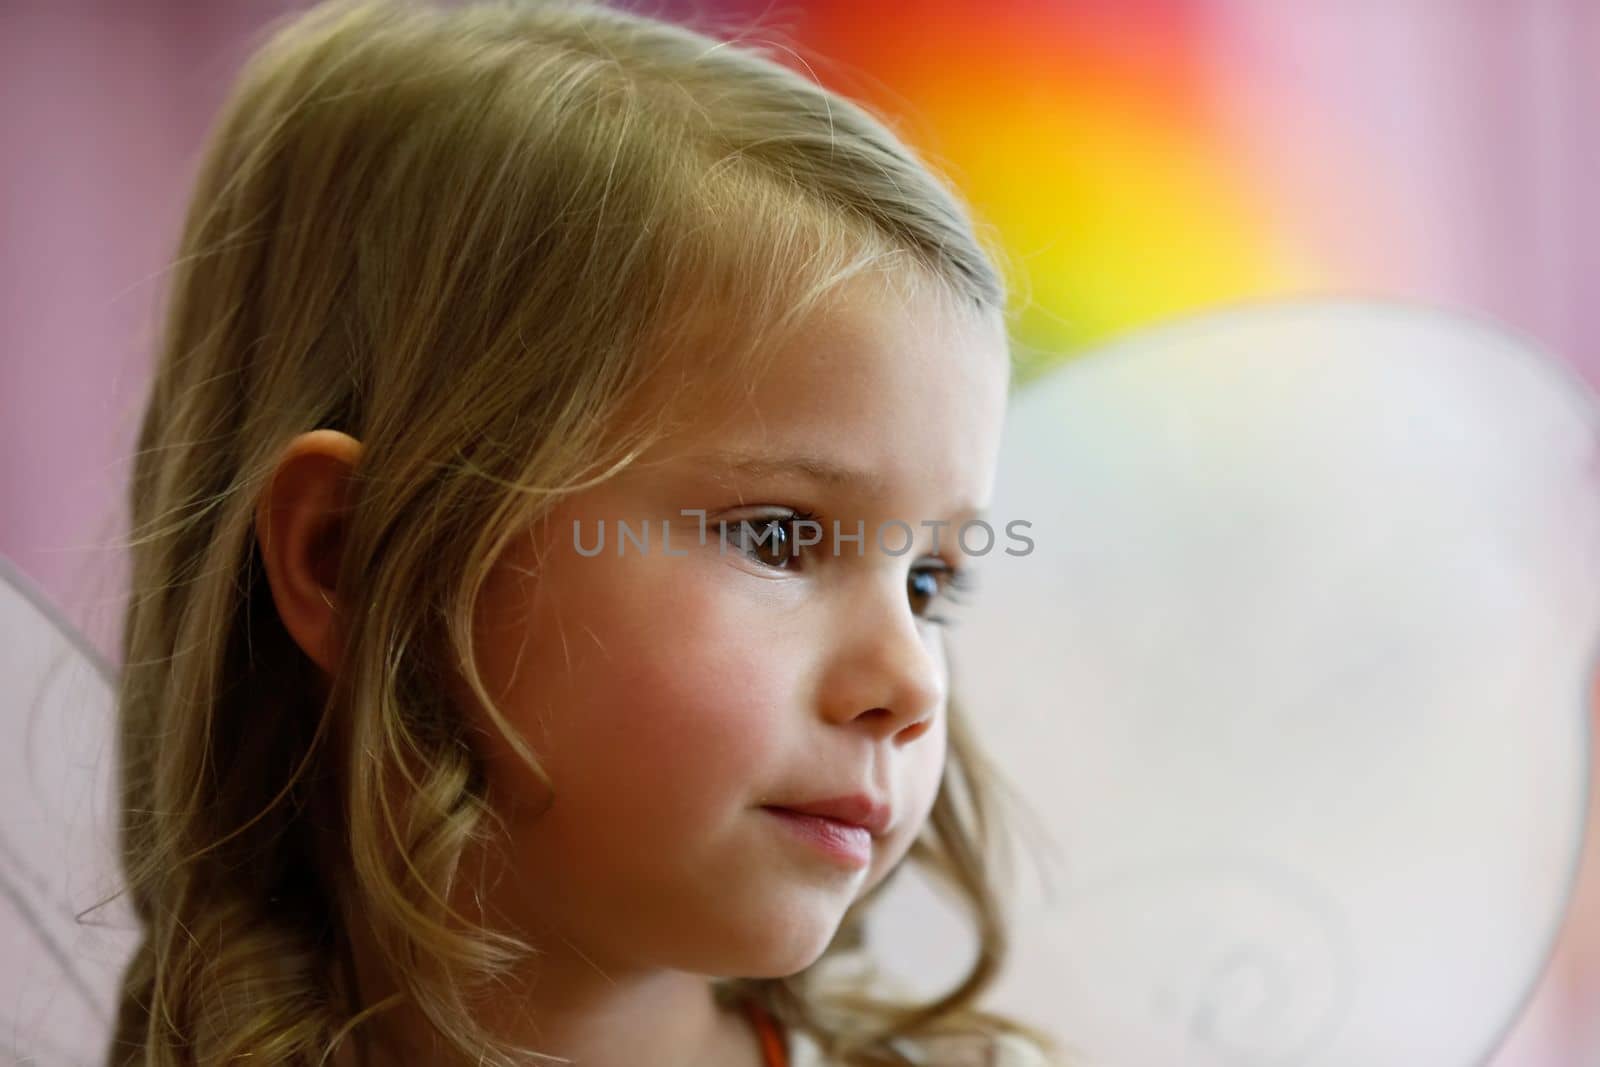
774	541
926	584
769	540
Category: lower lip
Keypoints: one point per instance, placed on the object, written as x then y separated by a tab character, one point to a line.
850	845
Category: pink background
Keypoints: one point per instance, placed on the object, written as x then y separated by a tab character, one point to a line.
1476	123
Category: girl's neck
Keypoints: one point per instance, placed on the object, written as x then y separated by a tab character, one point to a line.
575	1012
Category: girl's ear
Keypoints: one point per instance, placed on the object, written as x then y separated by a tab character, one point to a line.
300	524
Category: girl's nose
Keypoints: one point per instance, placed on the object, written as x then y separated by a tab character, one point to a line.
884	674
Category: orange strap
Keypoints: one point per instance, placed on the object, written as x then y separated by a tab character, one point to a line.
772	1045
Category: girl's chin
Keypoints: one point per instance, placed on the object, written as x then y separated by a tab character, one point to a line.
784	944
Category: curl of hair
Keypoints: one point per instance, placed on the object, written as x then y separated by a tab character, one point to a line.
481	240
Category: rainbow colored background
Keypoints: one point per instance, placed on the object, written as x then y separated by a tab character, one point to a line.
1145	158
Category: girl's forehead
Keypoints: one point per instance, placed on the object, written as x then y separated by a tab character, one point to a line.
863	345
864	358
715	344
881	398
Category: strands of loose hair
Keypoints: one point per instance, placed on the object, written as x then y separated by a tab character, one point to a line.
493	242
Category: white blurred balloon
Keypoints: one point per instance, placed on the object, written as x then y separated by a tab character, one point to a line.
1296	672
61	960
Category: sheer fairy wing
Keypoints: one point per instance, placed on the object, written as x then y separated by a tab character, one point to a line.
1295	667
62	957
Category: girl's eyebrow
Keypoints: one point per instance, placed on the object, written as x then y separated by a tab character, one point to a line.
818	469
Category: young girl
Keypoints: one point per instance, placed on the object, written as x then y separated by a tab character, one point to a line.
414	773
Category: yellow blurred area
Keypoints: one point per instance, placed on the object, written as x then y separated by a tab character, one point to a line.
1108	223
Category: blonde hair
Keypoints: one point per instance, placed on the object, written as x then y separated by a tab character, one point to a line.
481	241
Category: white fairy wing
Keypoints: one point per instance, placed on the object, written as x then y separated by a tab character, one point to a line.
57	858
1297	670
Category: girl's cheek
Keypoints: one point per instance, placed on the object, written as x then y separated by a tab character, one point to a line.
717	684
705	670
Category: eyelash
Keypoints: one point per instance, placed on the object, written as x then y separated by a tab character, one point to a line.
954	588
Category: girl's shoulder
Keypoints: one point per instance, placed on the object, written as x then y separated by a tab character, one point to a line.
1005	1050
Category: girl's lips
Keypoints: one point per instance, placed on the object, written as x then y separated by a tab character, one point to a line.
844	843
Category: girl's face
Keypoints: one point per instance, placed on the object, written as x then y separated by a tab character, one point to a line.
673	692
